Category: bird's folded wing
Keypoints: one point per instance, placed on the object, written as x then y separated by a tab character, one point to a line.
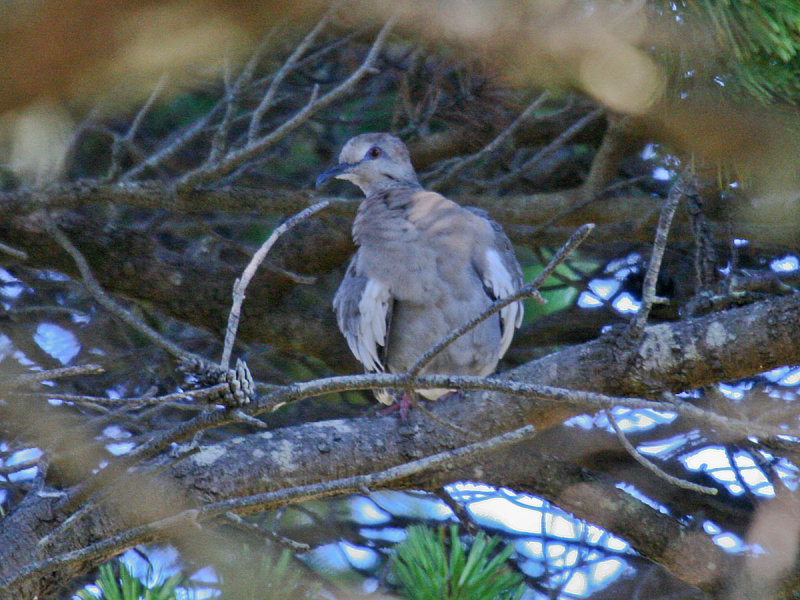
501	276
363	311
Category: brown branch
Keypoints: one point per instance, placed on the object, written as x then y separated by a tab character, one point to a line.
557	143
145	533
377	444
679	190
204	394
110	305
210	172
605	163
13	252
39	376
652	467
233	92
122	142
446	173
241	284
280	75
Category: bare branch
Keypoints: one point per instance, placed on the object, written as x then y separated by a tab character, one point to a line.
120	142
18	254
652	467
562	139
208	393
220	137
659	245
458	165
232	94
151	531
109	304
235	158
291	63
606	160
38	376
171	149
241	284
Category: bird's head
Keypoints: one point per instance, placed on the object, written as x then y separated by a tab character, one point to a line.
374	162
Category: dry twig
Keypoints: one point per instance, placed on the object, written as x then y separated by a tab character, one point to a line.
651	466
241	284
659	245
109	304
235	158
446	173
38	376
291	63
562	139
122	142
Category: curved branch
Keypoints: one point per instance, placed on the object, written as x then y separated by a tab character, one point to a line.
226	470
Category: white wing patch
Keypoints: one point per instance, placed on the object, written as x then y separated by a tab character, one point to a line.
498	279
370	330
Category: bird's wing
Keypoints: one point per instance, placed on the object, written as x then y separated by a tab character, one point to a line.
501	276
363	311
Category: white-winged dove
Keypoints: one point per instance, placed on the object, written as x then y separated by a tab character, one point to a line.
424	266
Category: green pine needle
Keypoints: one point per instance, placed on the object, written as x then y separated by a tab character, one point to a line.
429	567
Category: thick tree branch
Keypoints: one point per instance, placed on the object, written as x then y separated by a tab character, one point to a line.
226	470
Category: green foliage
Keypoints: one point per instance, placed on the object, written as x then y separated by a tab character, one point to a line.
427	567
128	587
561	296
762	38
265	576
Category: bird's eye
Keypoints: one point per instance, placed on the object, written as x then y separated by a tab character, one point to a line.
374	152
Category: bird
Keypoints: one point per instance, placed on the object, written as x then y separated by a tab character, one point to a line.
424	265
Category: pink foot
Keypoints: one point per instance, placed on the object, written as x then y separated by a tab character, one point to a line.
402	405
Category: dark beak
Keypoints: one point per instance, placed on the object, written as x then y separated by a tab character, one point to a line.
333	172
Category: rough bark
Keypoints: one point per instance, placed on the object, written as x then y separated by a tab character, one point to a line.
689	353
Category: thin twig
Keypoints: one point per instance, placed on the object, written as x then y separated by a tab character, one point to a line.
288	65
233	92
458	510
110	305
541	393
651	466
36	377
573	208
459	165
261	532
297	391
605	163
240	286
527	291
559	141
291	275
135	401
218	140
19	254
120	142
234	159
178	142
659	245
418	406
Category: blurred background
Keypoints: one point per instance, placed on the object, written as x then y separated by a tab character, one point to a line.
168	139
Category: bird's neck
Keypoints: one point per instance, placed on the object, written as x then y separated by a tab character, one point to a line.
383	215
